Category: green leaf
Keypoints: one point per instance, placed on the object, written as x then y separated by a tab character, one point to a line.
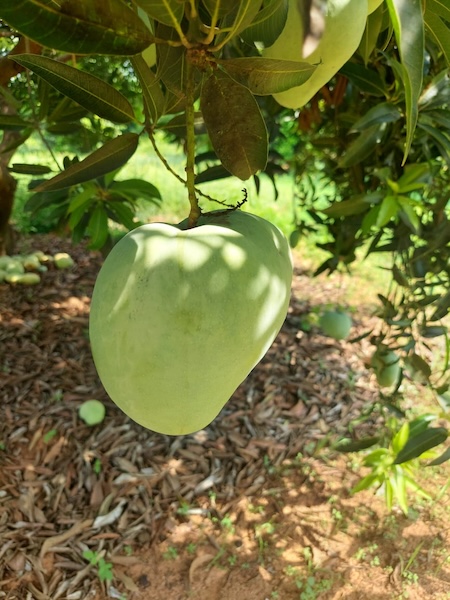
408	26
437	93
235	126
241	18
444	457
151	89
352	206
400	438
367	80
348	445
381	113
212	174
362	146
89	91
366	482
110	156
437	19
268	23
442	308
79	26
416	446
13	122
266	76
136	188
398	483
169	12
26	169
122	213
219	8
98	227
371	33
441	140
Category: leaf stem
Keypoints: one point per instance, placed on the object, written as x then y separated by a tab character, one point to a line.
190	142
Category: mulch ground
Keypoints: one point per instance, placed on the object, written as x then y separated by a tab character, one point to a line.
118	488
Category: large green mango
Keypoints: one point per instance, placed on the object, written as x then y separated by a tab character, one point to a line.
179	317
344	26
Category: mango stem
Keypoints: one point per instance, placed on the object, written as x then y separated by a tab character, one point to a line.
195	211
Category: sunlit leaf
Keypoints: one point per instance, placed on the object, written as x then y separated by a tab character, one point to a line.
89	91
416	446
110	156
235	125
79	26
265	76
444	457
408	26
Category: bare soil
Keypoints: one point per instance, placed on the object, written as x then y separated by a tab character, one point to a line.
255	506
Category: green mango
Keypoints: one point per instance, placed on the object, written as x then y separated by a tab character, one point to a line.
336	324
179	316
63	260
345	22
386	365
28	279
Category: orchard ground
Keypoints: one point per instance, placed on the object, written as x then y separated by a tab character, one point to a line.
254	506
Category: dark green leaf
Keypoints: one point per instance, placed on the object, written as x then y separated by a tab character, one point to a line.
136	188
433	331
122	214
110	156
91	92
30	169
416	446
13	122
367	80
371	33
348	445
79	26
352	206
219	8
408	26
381	113
98	227
212	174
442	308
235	125
362	146
444	457
169	12
266	76
420	424
151	89
388	210
268	23
241	18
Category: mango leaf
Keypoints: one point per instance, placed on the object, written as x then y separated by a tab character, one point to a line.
432	331
266	76
136	188
110	156
367	80
437	92
79	26
442	308
122	213
437	19
441	140
27	169
381	113
13	122
169	12
235	126
349	445
352	206
362	146
219	8
444	457
151	90
416	446
242	16
268	23
212	174
371	32
409	32
98	227
89	91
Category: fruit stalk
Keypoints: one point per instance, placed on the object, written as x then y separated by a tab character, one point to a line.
195	211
